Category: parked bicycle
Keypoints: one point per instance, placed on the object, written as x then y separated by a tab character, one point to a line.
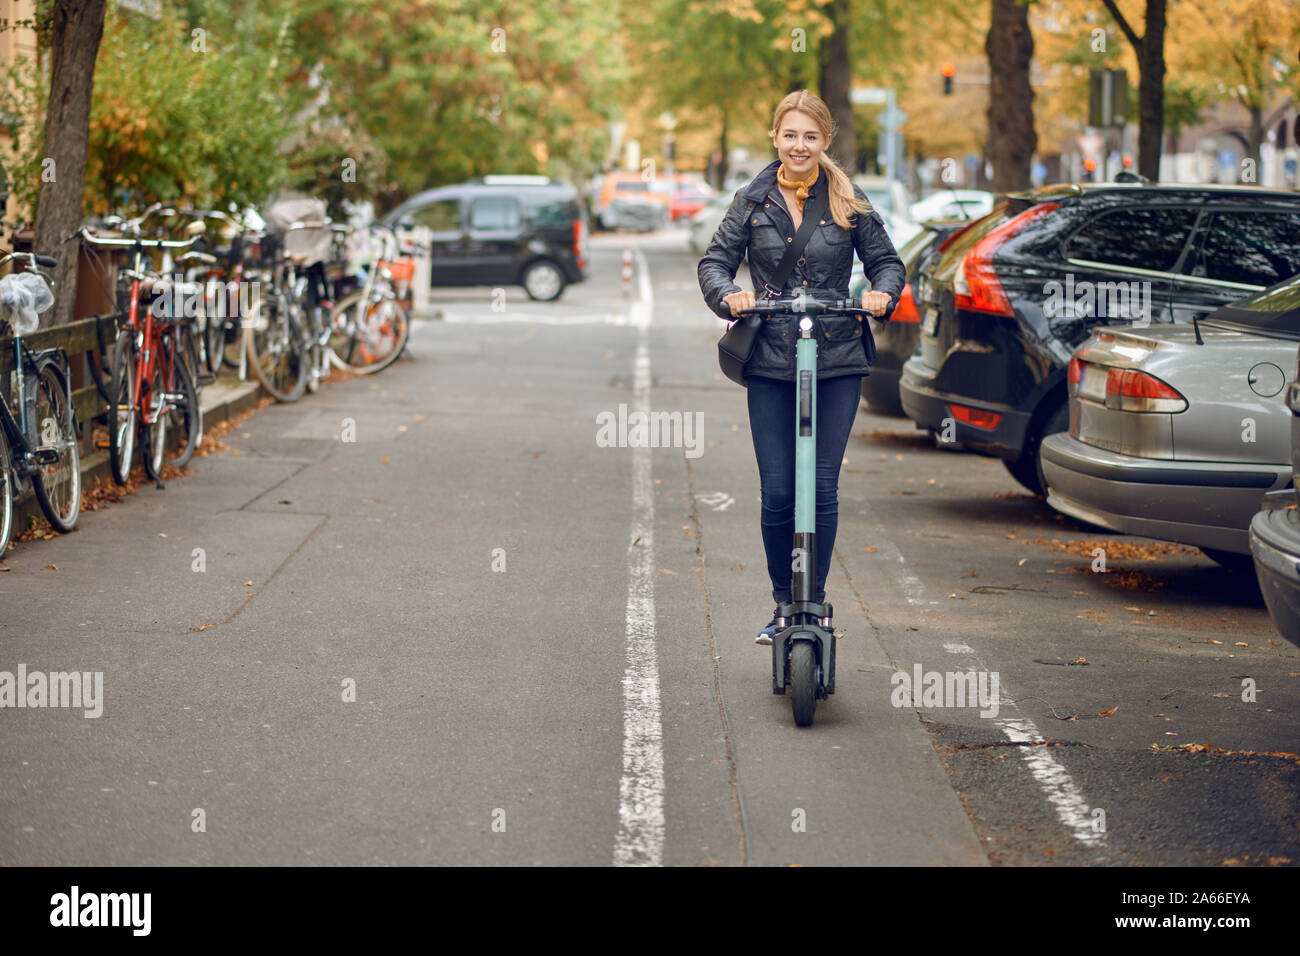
152	389
38	444
370	326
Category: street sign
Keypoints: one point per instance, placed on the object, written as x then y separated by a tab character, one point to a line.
1108	98
868	95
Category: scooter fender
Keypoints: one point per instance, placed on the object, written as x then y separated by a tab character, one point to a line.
825	648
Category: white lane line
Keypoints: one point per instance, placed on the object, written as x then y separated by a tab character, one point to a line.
912	588
1055	781
641	790
1051	776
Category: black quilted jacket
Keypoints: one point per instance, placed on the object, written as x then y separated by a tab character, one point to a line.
845	345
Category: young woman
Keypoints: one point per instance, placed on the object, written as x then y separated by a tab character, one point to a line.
762	220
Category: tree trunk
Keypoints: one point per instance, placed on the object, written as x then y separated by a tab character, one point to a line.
76	29
1255	137
723	165
836	81
1151	91
1011	138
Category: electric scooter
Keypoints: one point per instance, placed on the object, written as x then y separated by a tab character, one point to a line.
803	649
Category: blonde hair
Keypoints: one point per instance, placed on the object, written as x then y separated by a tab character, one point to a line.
844	204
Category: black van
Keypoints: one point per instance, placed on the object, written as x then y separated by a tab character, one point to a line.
503	230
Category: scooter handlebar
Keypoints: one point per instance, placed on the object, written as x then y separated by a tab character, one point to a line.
807	306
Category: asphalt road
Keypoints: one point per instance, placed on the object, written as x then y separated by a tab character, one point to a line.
474	634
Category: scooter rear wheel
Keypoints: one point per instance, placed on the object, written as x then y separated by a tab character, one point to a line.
803	682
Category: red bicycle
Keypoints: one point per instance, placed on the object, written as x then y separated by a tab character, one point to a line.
152	392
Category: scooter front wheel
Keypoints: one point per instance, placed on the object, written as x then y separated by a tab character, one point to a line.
803	682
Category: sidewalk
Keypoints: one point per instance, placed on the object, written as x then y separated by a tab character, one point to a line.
223	399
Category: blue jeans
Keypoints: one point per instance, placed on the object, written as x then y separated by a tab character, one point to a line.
771	421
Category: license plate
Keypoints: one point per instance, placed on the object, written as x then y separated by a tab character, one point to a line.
930	322
1093	384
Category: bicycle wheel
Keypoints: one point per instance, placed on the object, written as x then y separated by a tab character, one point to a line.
123	416
192	341
58	484
277	351
6	495
153	430
184	417
368	335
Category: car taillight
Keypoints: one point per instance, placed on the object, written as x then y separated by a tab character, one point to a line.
905	311
1131	391
976	285
580	242
975	416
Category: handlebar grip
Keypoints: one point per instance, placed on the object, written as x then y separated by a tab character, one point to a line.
46	262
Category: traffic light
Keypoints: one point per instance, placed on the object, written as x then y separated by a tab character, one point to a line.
948	71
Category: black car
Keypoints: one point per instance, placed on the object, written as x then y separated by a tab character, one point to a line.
1007	302
896	338
503	230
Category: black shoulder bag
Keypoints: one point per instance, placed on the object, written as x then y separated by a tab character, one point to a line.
737	344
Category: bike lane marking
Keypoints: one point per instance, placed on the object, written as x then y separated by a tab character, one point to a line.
640	839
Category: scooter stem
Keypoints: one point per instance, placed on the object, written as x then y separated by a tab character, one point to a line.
804	574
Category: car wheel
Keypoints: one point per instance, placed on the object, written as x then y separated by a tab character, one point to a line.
1058	422
543	281
1028	468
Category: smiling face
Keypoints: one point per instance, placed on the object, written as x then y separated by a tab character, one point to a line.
799	142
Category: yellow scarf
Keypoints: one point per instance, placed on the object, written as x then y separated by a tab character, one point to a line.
801	187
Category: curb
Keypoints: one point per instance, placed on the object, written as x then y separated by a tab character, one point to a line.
219	401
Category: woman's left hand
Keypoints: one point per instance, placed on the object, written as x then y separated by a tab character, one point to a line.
876	302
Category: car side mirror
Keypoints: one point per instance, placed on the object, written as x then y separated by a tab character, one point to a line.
406	222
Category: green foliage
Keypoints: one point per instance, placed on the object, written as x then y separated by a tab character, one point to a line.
183	113
449	89
23	95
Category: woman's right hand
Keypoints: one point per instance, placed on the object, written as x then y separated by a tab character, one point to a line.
740	301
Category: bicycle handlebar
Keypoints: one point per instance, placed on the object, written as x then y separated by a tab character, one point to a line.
90	237
33	260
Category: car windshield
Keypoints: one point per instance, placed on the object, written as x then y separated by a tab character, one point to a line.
910	250
1274	311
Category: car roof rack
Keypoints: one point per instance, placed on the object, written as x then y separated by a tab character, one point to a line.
511	180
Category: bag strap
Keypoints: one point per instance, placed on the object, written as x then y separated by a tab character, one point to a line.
814	209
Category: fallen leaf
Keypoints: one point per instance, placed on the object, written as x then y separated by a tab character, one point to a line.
50	567
248	584
1213	641
1107	713
666	571
1241	644
869	549
383	461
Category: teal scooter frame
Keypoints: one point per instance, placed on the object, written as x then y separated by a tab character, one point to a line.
803	648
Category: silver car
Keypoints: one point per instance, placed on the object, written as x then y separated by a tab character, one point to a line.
1178	431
